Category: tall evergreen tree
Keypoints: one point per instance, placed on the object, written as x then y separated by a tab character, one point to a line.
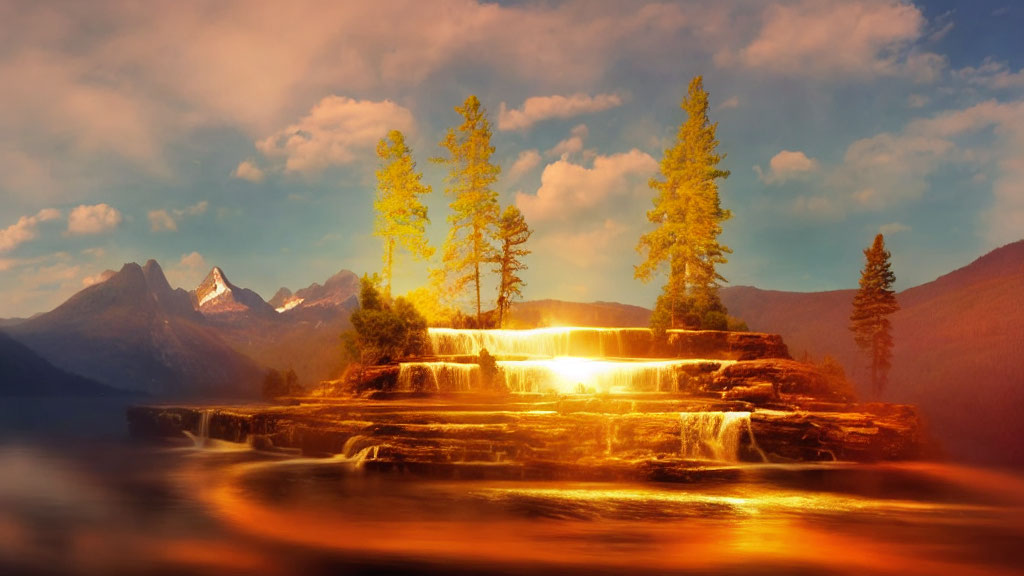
874	302
401	217
474	205
689	216
512	235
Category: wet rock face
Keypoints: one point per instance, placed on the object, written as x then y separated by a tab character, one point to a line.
711	398
633	437
785	376
726	345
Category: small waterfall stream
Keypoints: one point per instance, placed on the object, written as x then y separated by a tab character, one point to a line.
717	436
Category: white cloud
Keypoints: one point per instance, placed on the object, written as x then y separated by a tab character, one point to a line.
585	248
25	229
787	165
893	228
839	38
334	132
539	108
992	74
248	170
893	168
160	220
524	163
163	220
188	271
567	188
97	278
94	219
730	103
571	145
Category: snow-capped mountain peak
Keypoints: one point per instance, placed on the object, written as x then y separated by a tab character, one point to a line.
218	286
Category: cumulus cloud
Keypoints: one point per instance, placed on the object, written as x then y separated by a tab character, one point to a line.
567	187
839	38
94	219
334	132
571	145
164	220
97	278
160	220
892	168
992	74
583	248
730	103
248	170
524	163
539	108
787	165
189	270
25	229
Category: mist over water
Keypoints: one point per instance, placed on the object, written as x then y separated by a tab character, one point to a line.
106	505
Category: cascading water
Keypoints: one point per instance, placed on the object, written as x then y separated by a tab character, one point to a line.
436	377
716	436
202	436
580	375
543	342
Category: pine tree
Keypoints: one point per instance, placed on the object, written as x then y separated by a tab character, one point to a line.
689	216
874	302
512	234
474	205
401	217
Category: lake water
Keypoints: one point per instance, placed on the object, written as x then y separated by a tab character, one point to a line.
81	498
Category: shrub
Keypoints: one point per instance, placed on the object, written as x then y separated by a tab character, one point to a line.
385	332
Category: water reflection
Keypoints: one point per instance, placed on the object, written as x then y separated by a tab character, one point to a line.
106	508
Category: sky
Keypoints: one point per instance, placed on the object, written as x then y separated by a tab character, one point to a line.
242	135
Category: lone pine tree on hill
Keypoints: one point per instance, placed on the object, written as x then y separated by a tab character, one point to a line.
401	217
689	217
874	302
474	205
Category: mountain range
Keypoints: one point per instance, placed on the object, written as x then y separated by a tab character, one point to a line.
959	340
133	331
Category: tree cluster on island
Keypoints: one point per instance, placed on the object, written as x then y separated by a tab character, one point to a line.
683	244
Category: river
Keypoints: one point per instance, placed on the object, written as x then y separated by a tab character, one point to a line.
100	503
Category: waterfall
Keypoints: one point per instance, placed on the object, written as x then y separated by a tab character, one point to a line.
583	375
202	435
716	435
436	377
541	342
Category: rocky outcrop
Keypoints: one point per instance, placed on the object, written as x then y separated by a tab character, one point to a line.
719	345
786	377
583	437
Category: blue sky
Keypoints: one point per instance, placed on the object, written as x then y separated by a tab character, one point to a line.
241	134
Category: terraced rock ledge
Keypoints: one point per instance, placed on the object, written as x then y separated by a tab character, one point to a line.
561	416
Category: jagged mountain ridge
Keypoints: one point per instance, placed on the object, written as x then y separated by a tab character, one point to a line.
133	331
302	334
217	295
339	291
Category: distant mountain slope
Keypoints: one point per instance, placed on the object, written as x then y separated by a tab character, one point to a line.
318	302
134	332
25	373
562	313
959	350
304	333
